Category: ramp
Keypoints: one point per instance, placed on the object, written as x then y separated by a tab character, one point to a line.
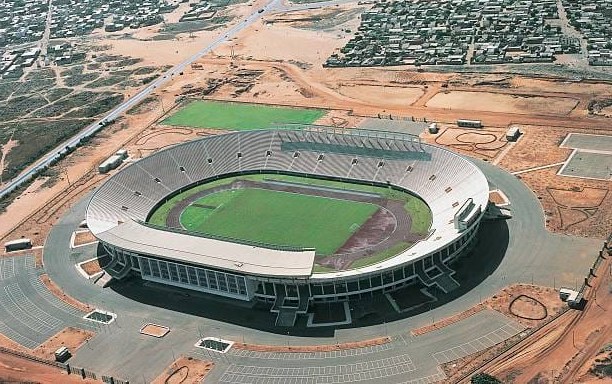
286	317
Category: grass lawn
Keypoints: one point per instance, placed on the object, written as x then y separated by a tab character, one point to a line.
420	214
278	218
239	116
380	256
160	215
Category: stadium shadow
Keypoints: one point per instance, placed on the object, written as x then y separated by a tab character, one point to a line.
248	315
471	270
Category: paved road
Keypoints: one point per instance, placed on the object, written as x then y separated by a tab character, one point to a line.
531	253
142	94
276	6
29	313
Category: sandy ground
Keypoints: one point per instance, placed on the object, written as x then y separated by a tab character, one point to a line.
487	101
81	238
4	151
160	52
392	96
15	370
168	52
154	330
185	370
92	267
563	350
275	37
496	198
72	338
312	348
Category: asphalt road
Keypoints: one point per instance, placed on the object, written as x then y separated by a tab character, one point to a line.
226	35
530	254
273	6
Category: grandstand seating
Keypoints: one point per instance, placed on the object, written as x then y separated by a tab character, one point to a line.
407	163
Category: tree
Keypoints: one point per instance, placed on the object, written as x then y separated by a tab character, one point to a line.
483	378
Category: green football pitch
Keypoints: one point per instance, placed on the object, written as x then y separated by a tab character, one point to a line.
240	116
279	218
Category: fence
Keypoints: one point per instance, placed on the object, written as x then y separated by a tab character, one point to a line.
112	380
606	248
388	116
84	373
87	374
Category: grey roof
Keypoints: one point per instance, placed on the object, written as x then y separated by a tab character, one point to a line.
443	179
209	252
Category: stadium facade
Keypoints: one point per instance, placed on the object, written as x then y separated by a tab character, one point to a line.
455	190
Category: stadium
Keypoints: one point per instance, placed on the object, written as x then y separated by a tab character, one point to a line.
292	216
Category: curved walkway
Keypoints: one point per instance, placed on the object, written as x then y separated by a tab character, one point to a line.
532	255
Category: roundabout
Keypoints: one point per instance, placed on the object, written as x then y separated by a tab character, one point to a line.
505	254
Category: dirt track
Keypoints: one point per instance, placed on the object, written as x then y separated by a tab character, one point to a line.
325	97
387	227
559	350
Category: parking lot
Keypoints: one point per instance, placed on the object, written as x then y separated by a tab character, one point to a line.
30	313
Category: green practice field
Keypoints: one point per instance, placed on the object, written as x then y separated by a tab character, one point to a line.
239	116
279	218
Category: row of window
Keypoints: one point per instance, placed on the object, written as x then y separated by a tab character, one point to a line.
212	280
205	278
372	282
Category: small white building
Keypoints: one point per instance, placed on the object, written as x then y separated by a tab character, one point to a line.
16	245
512	134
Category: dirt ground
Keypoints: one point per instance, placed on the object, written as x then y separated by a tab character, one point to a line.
448	321
496	198
585	375
92	267
495	102
312	348
482	143
81	238
154	330
528	310
564	350
579	207
531	306
526	304
17	370
72	338
185	370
